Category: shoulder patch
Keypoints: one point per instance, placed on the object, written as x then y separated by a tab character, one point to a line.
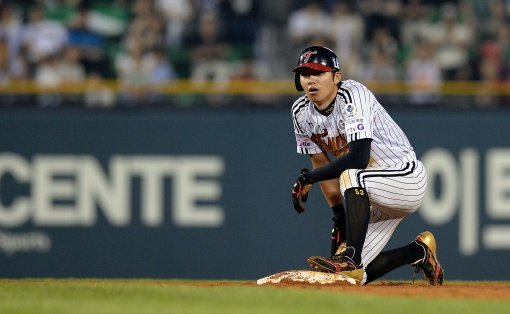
350	110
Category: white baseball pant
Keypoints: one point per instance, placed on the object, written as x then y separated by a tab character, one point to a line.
394	193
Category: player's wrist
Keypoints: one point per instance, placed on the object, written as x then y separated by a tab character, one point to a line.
305	176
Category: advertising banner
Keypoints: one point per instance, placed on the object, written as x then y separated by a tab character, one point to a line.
206	194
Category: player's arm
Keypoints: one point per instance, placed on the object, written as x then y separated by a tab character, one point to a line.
330	188
331	191
357	158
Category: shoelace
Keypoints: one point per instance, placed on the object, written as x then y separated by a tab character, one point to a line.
419	263
349	263
426	269
415	271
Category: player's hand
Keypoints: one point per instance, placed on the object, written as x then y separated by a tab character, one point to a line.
300	191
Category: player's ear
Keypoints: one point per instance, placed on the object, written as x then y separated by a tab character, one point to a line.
337	77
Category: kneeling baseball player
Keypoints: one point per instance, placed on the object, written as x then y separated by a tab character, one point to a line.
361	158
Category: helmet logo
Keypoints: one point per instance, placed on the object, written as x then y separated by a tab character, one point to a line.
307	55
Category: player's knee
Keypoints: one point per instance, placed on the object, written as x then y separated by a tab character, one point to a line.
348	180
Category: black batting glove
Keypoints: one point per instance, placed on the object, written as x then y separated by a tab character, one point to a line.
300	191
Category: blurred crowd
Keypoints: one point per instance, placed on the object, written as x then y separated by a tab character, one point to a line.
148	43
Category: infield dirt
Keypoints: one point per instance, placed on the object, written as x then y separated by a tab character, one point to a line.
454	289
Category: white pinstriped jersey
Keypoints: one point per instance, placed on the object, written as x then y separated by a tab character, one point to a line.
394	180
357	115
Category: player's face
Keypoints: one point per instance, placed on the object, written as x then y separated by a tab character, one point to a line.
320	87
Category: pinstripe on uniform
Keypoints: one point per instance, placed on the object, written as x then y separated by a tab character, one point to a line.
394	179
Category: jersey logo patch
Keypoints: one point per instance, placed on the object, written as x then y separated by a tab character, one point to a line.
317	138
350	110
307	55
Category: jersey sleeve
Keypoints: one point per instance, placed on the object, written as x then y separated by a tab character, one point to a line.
304	143
357	112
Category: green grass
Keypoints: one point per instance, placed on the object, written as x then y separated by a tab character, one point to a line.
167	296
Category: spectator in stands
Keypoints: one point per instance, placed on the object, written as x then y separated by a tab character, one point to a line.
308	23
177	14
383	41
423	75
209	51
209	38
133	71
42	38
90	45
98	94
5	100
452	39
503	43
72	73
493	66
10	28
490	74
70	68
241	18
12	68
415	20
494	39
49	79
161	72
147	25
381	13
19	66
348	30
380	67
205	6
4	61
497	17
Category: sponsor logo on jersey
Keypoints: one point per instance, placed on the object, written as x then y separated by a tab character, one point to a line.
303	141
354	125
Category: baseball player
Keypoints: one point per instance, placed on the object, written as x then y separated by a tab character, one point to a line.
366	169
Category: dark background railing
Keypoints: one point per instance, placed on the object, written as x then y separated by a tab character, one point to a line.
241	94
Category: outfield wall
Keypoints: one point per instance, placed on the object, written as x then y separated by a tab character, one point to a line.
206	194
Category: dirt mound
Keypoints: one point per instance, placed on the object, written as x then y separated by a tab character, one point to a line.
420	288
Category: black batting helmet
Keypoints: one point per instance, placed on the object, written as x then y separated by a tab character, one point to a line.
318	58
